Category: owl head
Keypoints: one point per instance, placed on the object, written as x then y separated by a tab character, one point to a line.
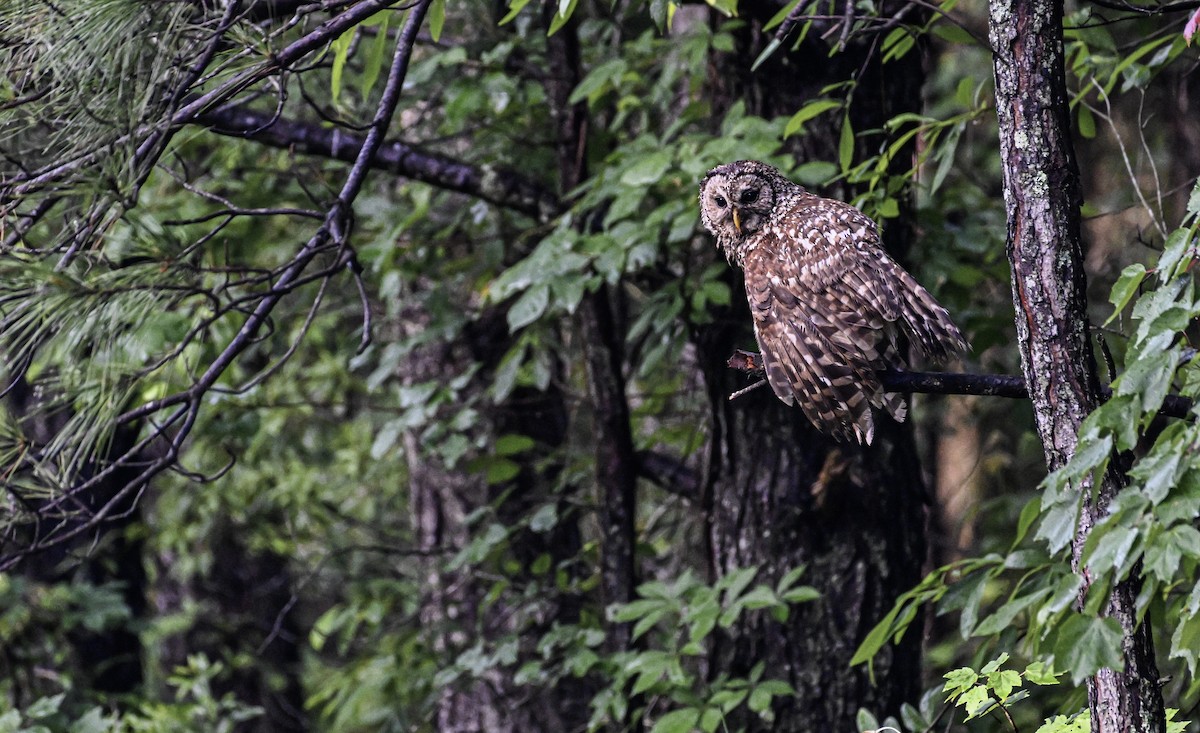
737	199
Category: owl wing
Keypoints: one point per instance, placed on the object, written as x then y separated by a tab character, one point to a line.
844	255
817	345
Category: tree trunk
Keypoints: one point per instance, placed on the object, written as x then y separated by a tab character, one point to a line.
455	609
616	461
781	495
1042	194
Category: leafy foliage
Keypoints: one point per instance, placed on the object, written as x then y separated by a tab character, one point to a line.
435	540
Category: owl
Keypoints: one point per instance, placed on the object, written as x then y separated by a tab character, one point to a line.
829	305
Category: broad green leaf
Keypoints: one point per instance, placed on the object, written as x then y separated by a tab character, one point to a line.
544	519
1193	204
959	681
1125	288
677	721
728	8
529	307
759	597
1185	643
1003	682
648	170
953	33
566	8
1039	673
876	638
802	594
1087	644
778	18
1006	614
512	444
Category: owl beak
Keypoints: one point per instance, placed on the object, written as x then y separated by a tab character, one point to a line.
737	221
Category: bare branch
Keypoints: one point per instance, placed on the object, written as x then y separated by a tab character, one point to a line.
952	383
334	230
495	185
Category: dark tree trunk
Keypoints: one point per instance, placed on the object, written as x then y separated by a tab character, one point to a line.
453	609
1042	188
616	461
781	495
248	595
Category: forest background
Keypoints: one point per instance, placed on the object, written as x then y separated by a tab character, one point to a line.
365	368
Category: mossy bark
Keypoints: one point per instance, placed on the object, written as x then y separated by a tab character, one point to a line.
1042	196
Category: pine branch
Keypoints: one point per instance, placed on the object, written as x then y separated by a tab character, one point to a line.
186	404
987	385
498	186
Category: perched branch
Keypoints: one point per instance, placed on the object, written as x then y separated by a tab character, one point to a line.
498	186
987	385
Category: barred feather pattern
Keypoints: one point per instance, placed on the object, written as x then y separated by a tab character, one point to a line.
829	305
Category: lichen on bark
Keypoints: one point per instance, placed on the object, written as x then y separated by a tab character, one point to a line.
1042	196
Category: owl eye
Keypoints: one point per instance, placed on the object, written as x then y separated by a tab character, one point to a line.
720	202
749	196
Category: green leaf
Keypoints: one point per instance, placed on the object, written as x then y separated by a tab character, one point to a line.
877	637
544	519
846	144
1087	121
953	33
500	470
437	19
677	721
341	49
44	707
778	18
1193	204
514	9
959	681
1185	643
566	8
802	594
1029	514
994	665
1004	682
1087	644
375	56
647	170
512	444
1125	288
529	307
760	597
1039	673
728	8
810	110
789	579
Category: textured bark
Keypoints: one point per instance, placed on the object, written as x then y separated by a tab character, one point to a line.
780	495
1042	194
616	460
454	609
